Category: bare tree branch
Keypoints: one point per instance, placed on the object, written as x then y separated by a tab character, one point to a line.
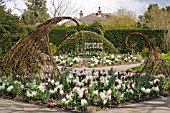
16	5
62	7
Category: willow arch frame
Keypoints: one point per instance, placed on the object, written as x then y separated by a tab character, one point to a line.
154	58
32	51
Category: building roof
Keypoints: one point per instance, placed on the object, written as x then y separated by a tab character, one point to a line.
95	16
70	22
91	18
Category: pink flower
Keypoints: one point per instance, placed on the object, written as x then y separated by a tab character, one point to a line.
25	85
98	78
116	83
88	81
58	90
113	99
84	96
74	85
47	86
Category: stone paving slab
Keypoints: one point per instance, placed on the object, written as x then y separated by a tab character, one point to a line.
160	105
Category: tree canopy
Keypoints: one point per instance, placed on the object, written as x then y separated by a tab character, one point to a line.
10	30
36	12
122	19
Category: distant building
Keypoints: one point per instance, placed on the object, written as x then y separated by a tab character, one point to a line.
90	18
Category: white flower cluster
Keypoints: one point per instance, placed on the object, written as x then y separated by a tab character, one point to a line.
31	93
83	102
42	87
105	96
145	90
10	88
76	60
2	86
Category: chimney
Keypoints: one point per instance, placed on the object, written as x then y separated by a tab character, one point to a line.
81	14
99	12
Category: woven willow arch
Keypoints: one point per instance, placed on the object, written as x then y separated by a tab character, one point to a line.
86	37
32	54
154	64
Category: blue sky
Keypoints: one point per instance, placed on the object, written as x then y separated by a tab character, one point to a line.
107	6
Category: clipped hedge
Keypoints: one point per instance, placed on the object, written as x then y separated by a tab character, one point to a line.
60	33
118	37
77	41
57	36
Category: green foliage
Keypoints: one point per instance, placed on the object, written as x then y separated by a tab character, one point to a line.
58	35
77	41
96	27
36	12
53	48
166	56
122	19
118	38
137	69
145	53
10	30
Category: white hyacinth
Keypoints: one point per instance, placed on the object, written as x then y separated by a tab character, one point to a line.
95	92
91	65
76	59
41	87
52	91
148	90
109	92
2	87
34	93
83	102
156	89
105	97
156	80
52	81
64	100
10	88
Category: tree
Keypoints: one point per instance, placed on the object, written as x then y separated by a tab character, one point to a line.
10	30
158	18
61	7
36	12
122	19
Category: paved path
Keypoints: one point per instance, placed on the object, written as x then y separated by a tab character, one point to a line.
161	105
117	67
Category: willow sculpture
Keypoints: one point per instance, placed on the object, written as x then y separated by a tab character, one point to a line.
154	64
32	54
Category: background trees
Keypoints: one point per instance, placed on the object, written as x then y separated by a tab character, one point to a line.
36	12
10	30
158	18
122	19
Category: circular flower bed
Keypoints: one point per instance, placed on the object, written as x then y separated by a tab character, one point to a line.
82	89
99	60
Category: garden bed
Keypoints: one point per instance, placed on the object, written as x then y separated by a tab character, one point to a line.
100	60
85	91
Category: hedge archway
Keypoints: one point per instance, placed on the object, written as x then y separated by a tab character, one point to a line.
79	39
